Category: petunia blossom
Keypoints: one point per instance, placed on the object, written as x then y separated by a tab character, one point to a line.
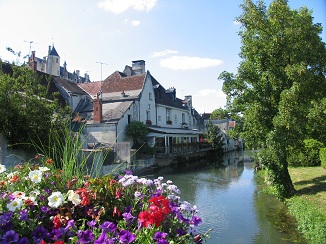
73	197
56	199
15	204
35	176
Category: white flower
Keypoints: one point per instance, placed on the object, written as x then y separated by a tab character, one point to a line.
55	200
73	197
43	169
15	204
35	176
137	194
2	168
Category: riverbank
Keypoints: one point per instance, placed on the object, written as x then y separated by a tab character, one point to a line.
308	205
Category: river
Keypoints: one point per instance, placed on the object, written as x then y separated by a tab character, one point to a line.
230	203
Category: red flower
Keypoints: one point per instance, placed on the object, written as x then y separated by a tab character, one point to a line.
58	242
15	178
158	210
145	218
116	211
56	222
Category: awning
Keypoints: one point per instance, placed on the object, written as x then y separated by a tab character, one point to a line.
159	131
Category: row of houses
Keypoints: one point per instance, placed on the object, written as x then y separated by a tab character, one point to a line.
109	105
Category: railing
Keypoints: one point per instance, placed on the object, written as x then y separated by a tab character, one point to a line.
182	148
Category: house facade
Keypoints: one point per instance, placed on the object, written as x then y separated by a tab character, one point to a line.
135	95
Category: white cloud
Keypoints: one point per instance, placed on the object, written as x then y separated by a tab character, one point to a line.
205	92
189	63
210	92
120	6
164	53
135	22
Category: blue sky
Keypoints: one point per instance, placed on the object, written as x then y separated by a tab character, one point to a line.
186	44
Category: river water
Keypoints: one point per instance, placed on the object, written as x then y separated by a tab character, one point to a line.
230	203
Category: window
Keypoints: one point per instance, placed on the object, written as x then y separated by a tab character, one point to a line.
159	118
148	115
168	114
183	118
150	97
129	118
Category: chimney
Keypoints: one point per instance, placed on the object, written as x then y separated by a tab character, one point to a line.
97	109
138	67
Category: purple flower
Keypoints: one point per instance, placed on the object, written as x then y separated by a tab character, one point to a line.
5	218
55	234
23	215
196	220
102	239
128	172
159	235
44	209
23	240
10	237
162	241
128	218
91	224
181	232
180	217
85	236
126	237
48	190
108	227
39	233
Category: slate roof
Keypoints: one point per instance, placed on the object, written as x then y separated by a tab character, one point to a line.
114	111
54	52
161	96
69	86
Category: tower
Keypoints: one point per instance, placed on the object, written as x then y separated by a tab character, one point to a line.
53	62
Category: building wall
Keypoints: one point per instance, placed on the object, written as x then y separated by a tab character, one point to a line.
100	133
147	102
175	117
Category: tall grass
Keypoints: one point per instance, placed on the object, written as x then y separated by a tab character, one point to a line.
65	150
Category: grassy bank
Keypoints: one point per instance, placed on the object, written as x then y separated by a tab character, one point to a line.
308	206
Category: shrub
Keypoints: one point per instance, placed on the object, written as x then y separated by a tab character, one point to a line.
322	156
307	155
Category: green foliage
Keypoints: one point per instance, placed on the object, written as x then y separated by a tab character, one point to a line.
307	155
310	218
219	113
322	156
280	82
137	131
28	110
214	137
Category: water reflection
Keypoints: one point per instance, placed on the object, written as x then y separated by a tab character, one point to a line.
228	200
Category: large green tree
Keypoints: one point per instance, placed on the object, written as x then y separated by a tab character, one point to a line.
280	80
28	110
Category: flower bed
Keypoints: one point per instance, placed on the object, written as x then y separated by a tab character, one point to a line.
38	205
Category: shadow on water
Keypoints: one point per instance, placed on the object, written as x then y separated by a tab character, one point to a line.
229	201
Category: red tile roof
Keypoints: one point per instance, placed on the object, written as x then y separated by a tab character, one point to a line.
91	88
118	83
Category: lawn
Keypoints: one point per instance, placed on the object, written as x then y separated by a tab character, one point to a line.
310	183
308	205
